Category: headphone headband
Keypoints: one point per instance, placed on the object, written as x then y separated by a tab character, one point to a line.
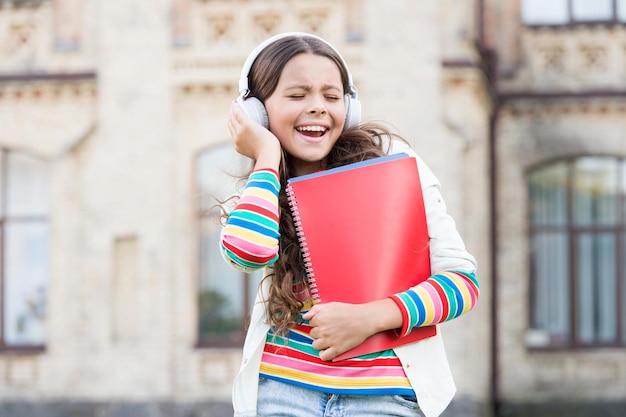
254	108
247	66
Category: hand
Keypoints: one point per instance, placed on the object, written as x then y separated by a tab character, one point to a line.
251	139
338	327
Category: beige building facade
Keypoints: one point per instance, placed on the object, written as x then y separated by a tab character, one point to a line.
113	137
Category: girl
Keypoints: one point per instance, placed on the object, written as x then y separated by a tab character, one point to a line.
299	87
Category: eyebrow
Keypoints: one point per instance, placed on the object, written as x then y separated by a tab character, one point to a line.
305	87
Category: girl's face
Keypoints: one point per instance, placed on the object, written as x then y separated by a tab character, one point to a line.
306	111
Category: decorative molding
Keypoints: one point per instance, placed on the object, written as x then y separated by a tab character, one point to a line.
560	95
37	91
199	89
41	37
551	58
47	76
597	106
313	20
219	35
267	22
45	115
20	39
221	27
16	4
571	58
23	30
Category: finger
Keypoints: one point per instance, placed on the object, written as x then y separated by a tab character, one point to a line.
319	344
310	314
315	333
233	119
236	110
327	354
232	129
317	308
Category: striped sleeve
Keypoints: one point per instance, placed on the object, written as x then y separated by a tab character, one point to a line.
442	297
249	239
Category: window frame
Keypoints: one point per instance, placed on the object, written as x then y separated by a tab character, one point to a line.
247	287
573	232
5	219
573	21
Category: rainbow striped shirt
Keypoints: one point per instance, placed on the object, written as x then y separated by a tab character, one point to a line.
294	361
250	241
250	238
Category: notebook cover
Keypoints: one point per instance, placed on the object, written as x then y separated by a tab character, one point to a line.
363	235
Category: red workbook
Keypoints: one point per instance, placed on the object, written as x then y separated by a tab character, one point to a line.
363	234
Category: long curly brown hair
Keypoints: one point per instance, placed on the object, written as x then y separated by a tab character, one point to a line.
365	141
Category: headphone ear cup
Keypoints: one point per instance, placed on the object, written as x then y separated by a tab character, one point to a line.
353	111
253	107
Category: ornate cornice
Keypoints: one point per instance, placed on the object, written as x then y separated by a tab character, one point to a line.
46	114
46	76
571	58
591	104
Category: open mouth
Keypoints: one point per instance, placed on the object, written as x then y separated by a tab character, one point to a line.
312	131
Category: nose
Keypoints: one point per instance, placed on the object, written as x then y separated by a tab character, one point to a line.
317	106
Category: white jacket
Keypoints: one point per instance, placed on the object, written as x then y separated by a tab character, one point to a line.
425	362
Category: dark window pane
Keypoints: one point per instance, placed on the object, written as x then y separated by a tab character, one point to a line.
2	182
596	284
623	286
623	190
588	270
548	196
550	294
26	279
595	191
221	288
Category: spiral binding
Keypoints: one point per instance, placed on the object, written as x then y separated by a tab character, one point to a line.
304	247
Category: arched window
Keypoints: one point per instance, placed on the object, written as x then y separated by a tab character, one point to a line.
578	253
225	295
24	239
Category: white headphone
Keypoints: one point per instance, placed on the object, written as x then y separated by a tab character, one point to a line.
256	110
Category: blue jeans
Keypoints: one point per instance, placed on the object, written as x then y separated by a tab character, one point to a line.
277	399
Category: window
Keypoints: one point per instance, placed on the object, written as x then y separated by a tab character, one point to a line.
621	10
578	253
564	12
24	238
225	295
